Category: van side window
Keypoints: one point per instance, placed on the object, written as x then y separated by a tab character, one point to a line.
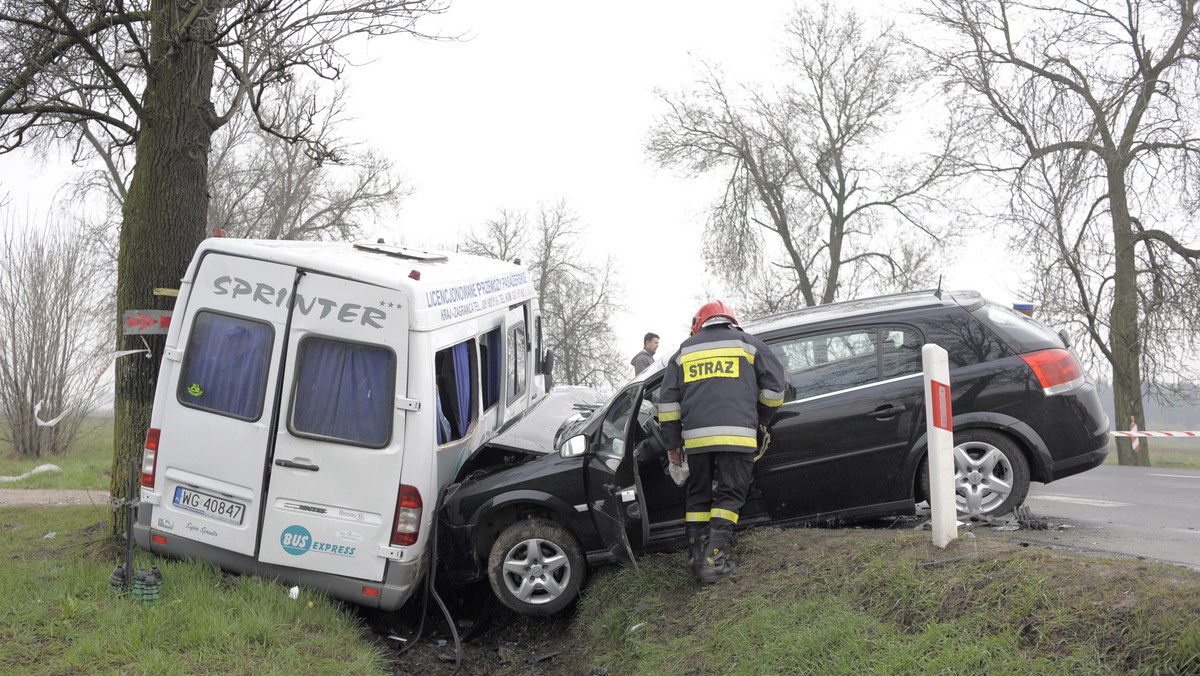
491	366
225	368
457	385
516	361
344	392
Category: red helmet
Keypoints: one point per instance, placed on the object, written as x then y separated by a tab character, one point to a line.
714	308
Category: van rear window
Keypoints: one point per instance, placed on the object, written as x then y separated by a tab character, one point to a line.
225	368
344	392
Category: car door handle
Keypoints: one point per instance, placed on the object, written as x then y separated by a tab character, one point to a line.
886	411
297	465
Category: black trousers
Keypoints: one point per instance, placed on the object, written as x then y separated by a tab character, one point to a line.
732	473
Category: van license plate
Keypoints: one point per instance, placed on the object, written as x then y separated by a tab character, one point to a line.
209	505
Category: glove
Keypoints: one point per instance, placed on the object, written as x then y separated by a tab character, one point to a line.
764	440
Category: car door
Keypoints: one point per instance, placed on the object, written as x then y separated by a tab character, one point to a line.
852	406
610	480
336	468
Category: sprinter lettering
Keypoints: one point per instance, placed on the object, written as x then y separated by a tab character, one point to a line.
265	294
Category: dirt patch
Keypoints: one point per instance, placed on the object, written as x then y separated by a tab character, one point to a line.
54	497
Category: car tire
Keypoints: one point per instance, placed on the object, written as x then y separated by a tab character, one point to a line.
536	567
991	474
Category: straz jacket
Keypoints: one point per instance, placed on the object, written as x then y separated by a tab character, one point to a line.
719	387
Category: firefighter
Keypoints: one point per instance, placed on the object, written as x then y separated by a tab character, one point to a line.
721	388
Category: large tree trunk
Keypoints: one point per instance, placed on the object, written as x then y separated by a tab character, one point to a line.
1125	336
163	221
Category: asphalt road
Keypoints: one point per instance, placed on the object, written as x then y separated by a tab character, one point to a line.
1138	512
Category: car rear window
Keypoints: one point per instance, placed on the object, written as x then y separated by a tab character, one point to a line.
1022	333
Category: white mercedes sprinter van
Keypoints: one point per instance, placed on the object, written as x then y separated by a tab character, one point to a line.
314	398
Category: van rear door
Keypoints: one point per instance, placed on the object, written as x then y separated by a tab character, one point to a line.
335	470
213	444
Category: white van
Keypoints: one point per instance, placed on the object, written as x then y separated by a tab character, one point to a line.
314	398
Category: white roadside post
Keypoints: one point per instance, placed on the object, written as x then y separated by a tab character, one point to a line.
940	432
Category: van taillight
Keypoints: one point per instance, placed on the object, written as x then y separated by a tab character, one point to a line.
150	458
408	516
1057	370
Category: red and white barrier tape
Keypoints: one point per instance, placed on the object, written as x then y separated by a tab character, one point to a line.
37	408
1136	434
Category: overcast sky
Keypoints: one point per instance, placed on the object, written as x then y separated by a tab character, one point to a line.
547	100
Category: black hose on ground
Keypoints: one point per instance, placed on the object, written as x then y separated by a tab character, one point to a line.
431	590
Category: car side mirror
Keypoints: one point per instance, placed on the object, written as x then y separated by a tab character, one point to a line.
576	445
1065	337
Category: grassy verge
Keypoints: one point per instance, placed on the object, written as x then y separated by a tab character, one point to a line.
59	615
880	602
88	464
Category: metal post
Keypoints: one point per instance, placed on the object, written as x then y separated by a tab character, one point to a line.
940	433
129	503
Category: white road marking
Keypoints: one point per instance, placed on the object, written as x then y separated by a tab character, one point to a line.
1176	476
1079	501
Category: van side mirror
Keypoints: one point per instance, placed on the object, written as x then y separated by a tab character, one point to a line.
548	369
576	445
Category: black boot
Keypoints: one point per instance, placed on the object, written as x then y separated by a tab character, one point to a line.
716	566
696	540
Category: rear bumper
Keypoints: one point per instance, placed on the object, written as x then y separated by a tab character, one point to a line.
400	578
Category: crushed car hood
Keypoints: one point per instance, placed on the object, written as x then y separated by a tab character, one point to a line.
535	430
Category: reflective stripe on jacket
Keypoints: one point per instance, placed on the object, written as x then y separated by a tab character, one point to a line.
718	388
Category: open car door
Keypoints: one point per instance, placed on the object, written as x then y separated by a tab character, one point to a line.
610	479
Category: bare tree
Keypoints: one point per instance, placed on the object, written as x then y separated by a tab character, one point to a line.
162	77
50	336
265	187
811	188
1091	106
578	299
504	237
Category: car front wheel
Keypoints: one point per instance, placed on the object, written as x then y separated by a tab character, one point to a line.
536	567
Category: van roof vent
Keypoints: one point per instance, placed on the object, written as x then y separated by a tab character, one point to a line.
401	252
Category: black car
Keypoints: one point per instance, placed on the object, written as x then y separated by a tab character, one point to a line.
547	498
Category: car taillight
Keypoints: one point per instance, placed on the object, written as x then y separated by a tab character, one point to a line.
1056	370
408	516
150	458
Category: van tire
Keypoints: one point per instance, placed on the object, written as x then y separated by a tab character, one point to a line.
536	567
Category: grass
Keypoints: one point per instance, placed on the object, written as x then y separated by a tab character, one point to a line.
814	601
88	463
59	614
829	601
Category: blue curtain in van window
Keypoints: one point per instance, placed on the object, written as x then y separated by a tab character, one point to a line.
226	365
495	368
443	428
344	391
462	385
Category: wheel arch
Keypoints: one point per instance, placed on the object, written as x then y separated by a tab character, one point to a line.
1028	441
500	512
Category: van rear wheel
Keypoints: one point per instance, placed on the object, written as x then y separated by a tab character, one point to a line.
536	567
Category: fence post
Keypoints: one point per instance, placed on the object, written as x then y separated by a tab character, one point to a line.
940	433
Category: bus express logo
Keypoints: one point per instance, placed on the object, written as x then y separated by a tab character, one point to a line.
296	540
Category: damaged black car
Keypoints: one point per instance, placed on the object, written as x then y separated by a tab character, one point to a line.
576	483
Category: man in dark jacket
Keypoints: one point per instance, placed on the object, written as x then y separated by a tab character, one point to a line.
642	360
720	389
